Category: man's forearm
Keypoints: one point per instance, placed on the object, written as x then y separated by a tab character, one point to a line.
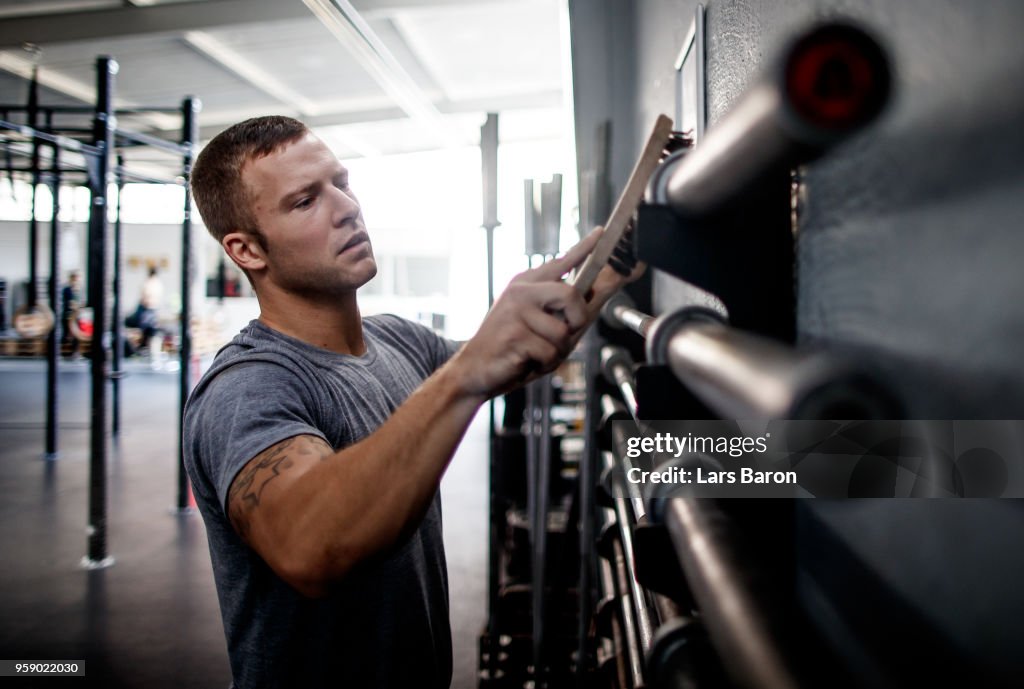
363	499
323	512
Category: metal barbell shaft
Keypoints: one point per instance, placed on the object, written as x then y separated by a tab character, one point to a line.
827	84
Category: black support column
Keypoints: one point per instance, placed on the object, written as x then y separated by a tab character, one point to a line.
99	172
190	132
116	329
56	305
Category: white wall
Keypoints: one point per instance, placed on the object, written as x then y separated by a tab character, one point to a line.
140	244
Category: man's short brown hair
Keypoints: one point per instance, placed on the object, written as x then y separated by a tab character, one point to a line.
221	196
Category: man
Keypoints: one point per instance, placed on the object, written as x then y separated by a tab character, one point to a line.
70	299
147	317
317	440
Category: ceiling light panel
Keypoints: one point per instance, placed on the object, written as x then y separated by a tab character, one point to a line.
373	55
389	34
247	70
304	55
155	70
27	8
477	51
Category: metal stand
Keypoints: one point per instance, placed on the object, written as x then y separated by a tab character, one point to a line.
720	217
489	646
96	146
116	331
56	337
189	134
103	138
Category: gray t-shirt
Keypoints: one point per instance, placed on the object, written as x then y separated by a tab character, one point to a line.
386	624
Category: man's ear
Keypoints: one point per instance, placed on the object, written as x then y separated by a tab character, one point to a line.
245	250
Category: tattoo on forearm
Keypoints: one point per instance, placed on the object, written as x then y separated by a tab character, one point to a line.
247	488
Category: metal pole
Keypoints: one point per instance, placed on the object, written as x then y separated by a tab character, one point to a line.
57	334
540	398
586	485
740	375
189	134
743	376
116	331
620	313
741	622
222	280
542	505
103	138
622	500
33	229
545	227
595	205
489	156
617	369
532	450
631	643
829	83
489	175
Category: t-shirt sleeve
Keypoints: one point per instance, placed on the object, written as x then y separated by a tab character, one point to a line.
424	343
446	349
244	410
439	349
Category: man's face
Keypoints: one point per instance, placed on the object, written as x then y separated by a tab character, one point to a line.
315	238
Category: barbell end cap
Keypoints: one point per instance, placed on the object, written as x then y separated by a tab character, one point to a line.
618	299
667	325
610	356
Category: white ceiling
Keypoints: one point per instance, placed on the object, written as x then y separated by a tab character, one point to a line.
410	75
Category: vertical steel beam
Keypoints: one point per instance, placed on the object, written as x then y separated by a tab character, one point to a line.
586	486
103	138
542	504
190	108
116	331
57	333
33	231
489	158
33	227
222	280
489	176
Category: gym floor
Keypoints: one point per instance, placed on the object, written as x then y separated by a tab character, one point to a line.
151	620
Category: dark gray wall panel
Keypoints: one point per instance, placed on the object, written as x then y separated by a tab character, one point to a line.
604	86
909	252
909	234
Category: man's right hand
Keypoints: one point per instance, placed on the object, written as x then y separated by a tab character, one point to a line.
530	329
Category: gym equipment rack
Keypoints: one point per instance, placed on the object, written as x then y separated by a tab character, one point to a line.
685	591
95	148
